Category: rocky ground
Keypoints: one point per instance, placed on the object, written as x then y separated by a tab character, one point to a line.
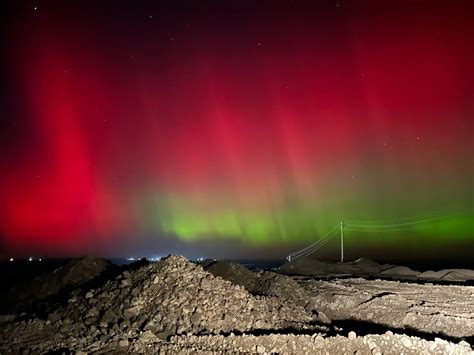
435	309
176	305
388	343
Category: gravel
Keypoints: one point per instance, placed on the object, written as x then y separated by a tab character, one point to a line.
176	306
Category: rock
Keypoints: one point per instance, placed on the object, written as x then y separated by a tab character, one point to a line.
148	336
260	349
371	345
352	335
124	324
406	342
464	344
164	335
195	318
123	343
131	312
109	316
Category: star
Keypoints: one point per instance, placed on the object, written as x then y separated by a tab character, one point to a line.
259	44
35	8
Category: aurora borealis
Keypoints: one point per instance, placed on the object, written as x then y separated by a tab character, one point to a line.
241	126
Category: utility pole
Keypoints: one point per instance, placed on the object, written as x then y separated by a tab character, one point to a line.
342	241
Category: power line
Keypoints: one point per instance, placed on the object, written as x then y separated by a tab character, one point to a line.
317	242
313	249
376	224
365	226
413	218
316	245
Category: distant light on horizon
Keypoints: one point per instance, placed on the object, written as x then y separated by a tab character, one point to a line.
30	259
11	259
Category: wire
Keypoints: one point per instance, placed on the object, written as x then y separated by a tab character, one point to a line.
368	226
374	230
382	221
384	226
312	252
315	244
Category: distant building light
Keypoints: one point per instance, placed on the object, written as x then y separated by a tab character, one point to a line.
40	259
30	259
11	259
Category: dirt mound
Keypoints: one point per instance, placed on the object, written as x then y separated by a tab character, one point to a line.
235	273
448	275
266	283
173	296
304	266
400	270
71	275
368	266
430	274
312	267
455	275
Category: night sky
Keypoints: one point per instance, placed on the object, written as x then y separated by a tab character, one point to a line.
235	128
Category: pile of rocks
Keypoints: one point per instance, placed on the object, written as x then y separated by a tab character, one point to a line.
268	284
152	303
387	343
75	273
175	305
233	272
